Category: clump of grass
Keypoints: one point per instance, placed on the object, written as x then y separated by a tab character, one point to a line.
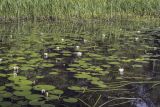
50	9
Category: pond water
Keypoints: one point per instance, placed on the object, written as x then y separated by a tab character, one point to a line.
80	64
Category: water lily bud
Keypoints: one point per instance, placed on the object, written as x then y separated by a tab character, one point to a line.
41	33
103	35
47	94
85	41
11	36
34	82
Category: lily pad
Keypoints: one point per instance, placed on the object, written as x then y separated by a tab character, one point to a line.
2	88
56	91
70	100
52	97
75	88
22	93
33	97
5	104
22	87
6	95
2	75
36	102
46	87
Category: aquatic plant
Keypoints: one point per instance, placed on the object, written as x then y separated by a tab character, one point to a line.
51	9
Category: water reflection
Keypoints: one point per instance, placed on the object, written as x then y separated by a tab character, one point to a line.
94	62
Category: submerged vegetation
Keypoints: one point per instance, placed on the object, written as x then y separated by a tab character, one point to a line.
66	9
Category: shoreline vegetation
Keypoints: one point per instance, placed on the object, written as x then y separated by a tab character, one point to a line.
51	10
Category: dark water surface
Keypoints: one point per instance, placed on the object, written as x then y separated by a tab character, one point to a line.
78	64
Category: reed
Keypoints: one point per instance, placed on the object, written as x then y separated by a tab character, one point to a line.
85	9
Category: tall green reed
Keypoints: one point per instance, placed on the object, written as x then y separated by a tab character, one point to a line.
67	9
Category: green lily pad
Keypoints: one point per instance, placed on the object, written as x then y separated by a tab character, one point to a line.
71	69
17	78
33	97
27	68
23	82
83	75
5	104
70	100
22	87
36	102
54	73
52	97
75	88
22	103
2	88
39	77
99	84
106	66
46	87
56	91
22	93
47	65
2	75
7	95
10	85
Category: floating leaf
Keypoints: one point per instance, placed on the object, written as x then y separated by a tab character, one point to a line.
46	87
70	100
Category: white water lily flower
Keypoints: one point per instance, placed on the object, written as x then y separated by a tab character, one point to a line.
43	91
1	59
79	54
77	47
62	40
121	71
138	31
46	55
155	48
136	38
103	35
16	68
57	48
